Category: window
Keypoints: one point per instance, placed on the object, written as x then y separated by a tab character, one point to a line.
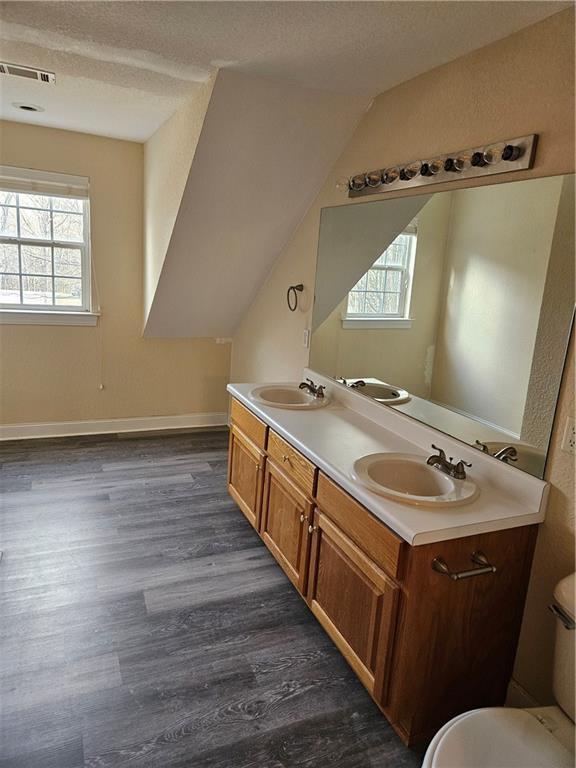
44	243
383	293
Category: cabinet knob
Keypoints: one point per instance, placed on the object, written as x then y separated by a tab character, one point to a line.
312	528
286	458
303	518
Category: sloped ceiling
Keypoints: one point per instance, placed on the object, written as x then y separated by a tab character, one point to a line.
265	148
122	68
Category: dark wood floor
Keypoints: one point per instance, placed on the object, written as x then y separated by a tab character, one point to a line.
143	623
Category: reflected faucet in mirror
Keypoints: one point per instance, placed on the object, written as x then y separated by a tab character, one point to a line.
509	453
506	454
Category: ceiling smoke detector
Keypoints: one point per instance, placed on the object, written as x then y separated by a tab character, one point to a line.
30	73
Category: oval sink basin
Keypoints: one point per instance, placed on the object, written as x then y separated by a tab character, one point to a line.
407	478
287	396
384	393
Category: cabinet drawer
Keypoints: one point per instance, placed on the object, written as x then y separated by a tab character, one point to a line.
249	424
371	535
296	466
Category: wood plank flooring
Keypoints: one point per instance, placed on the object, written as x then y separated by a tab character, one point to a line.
144	624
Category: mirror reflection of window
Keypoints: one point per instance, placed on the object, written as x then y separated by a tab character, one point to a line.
383	292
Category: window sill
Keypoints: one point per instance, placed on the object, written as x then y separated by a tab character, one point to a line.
366	323
40	317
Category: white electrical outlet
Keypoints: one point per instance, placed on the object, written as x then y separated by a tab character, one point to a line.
569	439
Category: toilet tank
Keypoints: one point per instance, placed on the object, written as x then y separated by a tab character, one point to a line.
564	599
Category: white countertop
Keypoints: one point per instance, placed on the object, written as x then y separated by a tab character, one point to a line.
335	436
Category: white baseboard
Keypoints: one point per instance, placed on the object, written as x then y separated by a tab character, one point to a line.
107	426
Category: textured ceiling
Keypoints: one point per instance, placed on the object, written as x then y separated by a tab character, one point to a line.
123	67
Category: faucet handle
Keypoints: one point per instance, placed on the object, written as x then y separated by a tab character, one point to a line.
458	470
440	452
482	446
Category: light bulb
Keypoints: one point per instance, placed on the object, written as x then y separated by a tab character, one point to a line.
358	182
493	153
512	152
450	165
410	171
391	175
463	162
477	160
374	178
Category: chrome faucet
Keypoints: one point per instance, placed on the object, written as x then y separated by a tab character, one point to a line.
509	453
481	446
440	461
316	390
357	384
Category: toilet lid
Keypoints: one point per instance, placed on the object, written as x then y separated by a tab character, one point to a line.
497	738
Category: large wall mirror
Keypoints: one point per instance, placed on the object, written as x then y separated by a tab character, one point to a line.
454	308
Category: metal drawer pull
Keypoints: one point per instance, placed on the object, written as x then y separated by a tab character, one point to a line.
568	621
478	558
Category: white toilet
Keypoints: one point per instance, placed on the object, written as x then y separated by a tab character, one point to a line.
502	737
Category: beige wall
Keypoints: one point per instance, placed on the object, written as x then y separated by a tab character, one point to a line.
496	262
52	373
522	84
167	159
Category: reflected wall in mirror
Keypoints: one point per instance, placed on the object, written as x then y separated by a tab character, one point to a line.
454	308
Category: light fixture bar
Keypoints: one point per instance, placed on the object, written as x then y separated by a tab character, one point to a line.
499	157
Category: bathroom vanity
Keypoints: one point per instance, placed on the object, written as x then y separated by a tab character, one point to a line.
384	578
439	326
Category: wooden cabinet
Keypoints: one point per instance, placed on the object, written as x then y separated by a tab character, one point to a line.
286	515
246	475
456	639
427	647
354	601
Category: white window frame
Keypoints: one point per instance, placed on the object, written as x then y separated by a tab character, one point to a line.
400	319
27	181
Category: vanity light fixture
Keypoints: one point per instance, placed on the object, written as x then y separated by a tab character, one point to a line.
500	157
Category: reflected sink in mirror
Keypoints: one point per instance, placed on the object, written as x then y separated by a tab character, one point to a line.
287	396
380	391
408	479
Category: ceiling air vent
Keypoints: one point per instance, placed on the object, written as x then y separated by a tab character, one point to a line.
28	72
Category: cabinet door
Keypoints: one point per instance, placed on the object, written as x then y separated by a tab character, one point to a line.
246	475
355	602
286	515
